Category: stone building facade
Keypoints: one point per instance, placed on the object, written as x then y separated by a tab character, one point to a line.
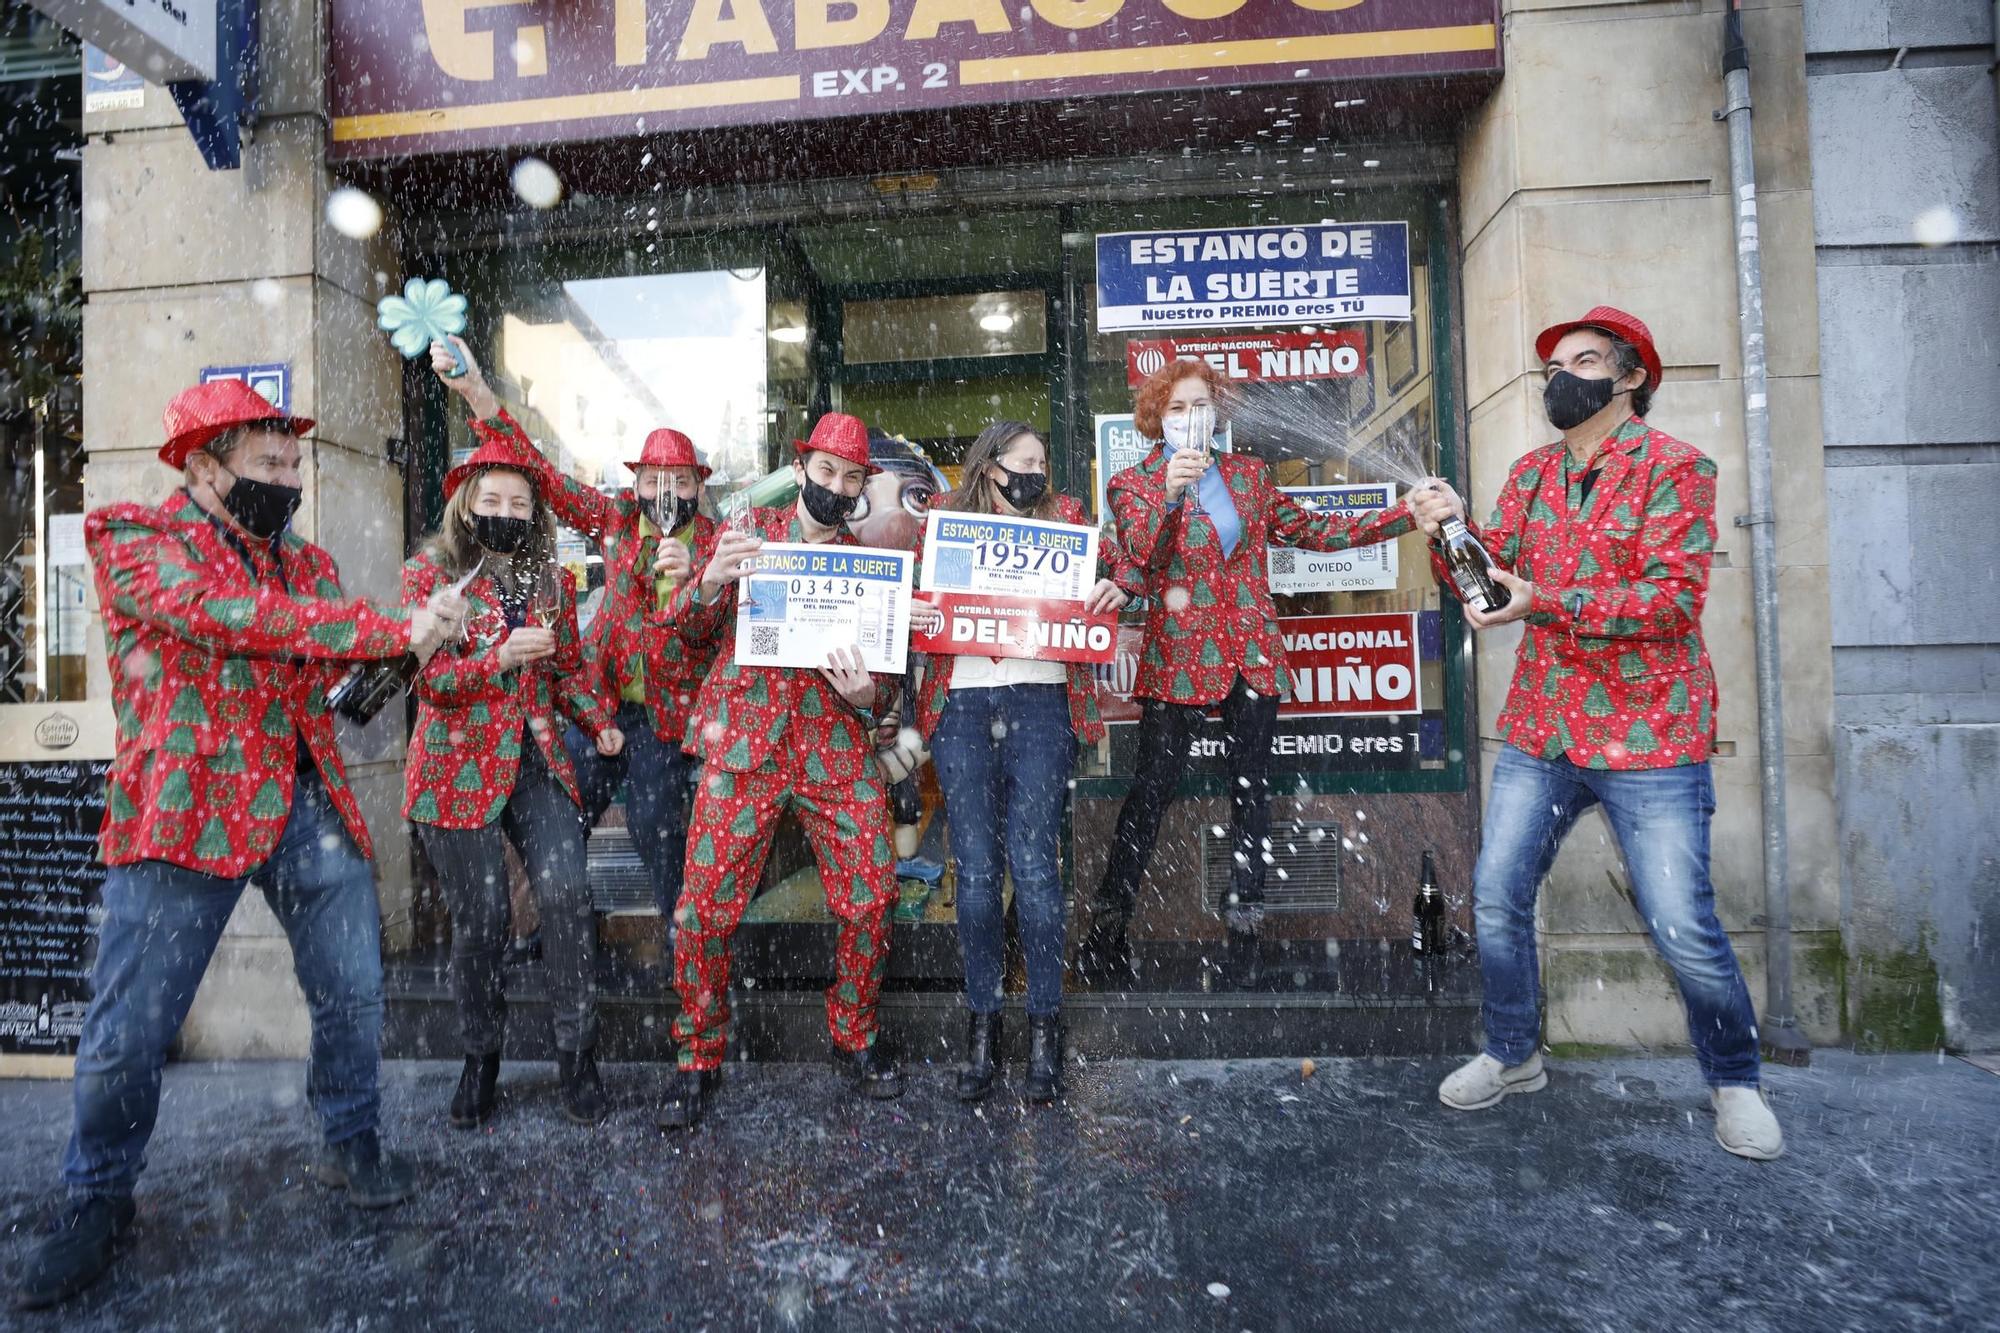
1594	171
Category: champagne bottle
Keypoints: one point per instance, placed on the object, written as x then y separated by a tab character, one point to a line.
360	694
1468	562
1429	934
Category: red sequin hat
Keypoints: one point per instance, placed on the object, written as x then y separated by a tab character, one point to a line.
842	436
485	456
1614	320
196	416
669	448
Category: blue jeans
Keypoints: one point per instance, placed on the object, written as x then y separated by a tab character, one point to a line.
656	777
1003	757
1660	817
161	924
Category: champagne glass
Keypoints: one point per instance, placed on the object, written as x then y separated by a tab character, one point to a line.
545	594
736	512
1200	432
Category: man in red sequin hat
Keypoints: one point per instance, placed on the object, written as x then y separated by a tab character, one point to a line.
1602	541
774	738
224	630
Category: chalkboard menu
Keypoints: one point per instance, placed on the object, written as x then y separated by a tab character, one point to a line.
50	883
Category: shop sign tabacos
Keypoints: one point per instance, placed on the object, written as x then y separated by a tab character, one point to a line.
1254	358
451	74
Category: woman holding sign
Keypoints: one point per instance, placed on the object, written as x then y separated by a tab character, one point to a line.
487	767
1003	733
1198	525
774	737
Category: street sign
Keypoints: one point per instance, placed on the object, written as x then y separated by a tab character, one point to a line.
160	40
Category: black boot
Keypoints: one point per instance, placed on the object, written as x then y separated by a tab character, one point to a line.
871	1071
371	1177
982	1056
1106	956
1243	961
1044	1058
523	951
582	1091
687	1094
473	1103
76	1247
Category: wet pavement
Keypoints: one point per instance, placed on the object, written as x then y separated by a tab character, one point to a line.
1225	1196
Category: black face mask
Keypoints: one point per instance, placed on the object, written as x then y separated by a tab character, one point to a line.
671	520
1022	489
501	534
1571	401
263	508
828	508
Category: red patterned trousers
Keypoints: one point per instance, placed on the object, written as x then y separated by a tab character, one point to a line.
729	838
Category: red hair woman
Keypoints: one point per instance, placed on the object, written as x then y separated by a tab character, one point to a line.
1198	524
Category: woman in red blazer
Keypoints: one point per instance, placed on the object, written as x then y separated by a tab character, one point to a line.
487	767
1199	522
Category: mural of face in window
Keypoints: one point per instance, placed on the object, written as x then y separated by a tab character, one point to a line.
897	498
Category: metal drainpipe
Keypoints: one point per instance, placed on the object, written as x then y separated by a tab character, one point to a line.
1779	1033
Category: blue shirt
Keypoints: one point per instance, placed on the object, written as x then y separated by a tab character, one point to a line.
1220	506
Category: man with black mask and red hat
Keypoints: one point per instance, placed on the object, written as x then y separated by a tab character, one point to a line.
1602	543
224	630
773	738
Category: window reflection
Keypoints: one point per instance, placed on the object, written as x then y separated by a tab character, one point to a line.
597	363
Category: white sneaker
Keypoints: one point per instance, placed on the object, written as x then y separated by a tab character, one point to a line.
1744	1124
1483	1081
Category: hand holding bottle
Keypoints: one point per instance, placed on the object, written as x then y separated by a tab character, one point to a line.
1520	600
471	386
1432	501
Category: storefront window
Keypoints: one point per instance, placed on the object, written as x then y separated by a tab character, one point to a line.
44	580
944	328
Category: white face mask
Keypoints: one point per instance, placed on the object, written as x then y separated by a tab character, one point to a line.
1193	429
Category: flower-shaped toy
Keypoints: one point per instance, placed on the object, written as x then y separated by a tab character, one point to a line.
428	311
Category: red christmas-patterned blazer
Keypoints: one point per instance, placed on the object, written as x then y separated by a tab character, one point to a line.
1612	671
1084	719
466	749
745	716
670	669
1211	618
221	650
